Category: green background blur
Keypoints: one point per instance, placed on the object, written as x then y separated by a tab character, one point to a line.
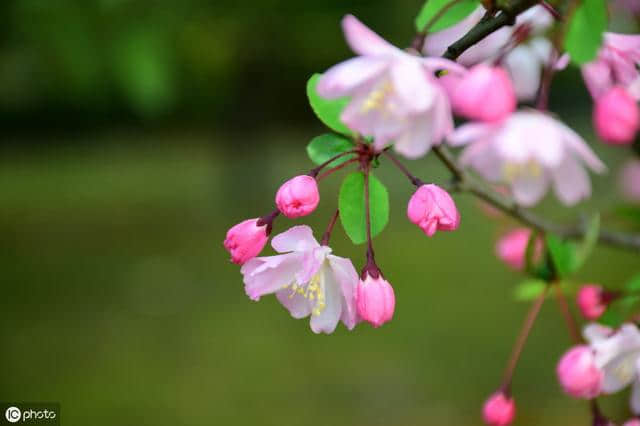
135	133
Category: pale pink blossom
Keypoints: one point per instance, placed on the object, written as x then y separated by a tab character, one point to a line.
307	280
512	248
433	209
578	373
245	240
375	300
617	355
529	151
499	410
395	96
632	422
524	62
616	116
591	301
484	94
298	196
615	65
630	181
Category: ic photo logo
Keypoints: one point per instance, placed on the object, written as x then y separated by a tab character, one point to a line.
13	414
36	413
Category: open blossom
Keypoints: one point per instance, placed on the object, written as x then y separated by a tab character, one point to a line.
617	355
245	240
307	279
530	151
298	196
524	62
432	209
484	94
395	96
615	65
578	373
499	410
512	248
630	181
592	301
375	300
616	116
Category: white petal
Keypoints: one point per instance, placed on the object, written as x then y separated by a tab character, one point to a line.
328	318
525	69
296	304
363	40
298	238
347	276
348	76
470	132
412	85
266	275
529	188
571	182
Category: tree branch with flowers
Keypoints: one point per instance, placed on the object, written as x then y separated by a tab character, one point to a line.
491	64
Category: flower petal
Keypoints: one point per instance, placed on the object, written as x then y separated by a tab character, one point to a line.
529	188
266	275
571	182
363	40
327	319
344	78
347	277
298	238
297	305
411	84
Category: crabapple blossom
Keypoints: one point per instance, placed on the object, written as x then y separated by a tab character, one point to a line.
395	96
630	181
616	116
632	422
484	94
617	355
307	280
529	151
512	248
499	410
375	300
578	374
615	65
298	196
591	301
245	240
433	209
524	62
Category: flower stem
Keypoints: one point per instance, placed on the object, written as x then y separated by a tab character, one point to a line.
566	313
314	172
522	339
268	220
414	180
327	234
370	267
336	168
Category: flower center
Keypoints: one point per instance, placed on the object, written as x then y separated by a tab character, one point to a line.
313	291
377	99
512	171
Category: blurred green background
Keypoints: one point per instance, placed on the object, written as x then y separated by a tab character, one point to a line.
135	133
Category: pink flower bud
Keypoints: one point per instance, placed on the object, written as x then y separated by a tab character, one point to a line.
616	116
298	196
591	301
432	208
485	93
375	300
578	374
499	410
512	248
245	240
632	422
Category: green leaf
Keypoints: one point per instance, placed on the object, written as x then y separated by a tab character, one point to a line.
619	310
584	36
589	242
529	290
327	110
562	255
633	286
451	16
352	210
324	147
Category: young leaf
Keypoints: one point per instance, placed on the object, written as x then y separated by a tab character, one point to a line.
352	210
633	286
584	36
562	255
588	243
454	13
529	290
619	310
327	110
324	147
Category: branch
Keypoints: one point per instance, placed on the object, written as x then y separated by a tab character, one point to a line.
507	16
477	187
